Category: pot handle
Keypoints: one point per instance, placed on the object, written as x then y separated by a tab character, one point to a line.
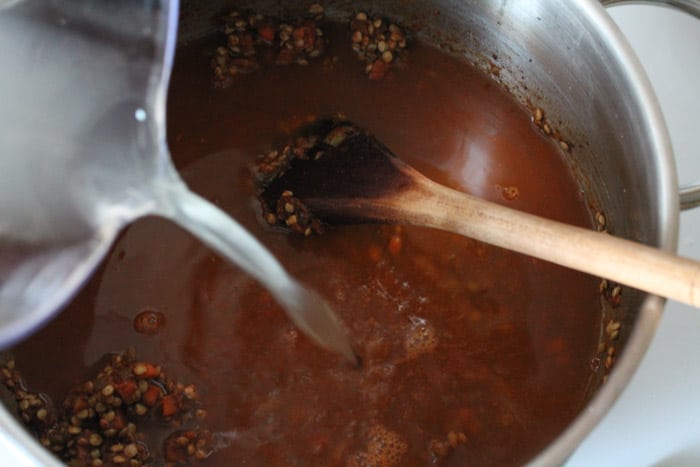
690	193
689	6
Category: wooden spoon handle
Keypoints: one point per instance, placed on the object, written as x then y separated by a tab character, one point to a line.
633	264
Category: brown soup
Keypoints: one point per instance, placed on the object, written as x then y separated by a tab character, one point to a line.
472	355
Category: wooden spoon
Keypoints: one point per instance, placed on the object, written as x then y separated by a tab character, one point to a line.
351	177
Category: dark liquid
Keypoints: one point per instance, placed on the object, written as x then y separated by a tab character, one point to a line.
455	336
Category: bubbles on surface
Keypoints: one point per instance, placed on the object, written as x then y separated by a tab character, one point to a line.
385	448
420	338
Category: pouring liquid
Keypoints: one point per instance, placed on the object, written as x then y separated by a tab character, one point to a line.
307	309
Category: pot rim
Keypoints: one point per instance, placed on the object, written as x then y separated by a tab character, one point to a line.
652	308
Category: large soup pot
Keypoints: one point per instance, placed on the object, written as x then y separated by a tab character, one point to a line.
569	59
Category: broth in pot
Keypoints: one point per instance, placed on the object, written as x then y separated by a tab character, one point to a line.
470	354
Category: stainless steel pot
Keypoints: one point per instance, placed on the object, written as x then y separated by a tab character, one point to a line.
571	60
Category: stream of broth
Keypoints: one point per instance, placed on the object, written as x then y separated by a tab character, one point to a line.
455	336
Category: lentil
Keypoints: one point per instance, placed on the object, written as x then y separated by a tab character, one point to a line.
510	192
601	221
613	329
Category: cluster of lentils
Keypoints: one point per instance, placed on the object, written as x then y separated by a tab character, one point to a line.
289	211
246	34
99	421
377	42
294	215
